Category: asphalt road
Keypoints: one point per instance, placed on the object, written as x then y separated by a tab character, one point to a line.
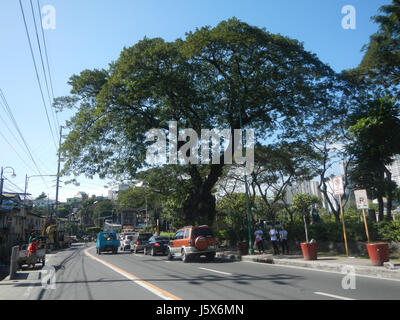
82	274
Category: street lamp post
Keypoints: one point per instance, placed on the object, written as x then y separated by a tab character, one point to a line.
225	100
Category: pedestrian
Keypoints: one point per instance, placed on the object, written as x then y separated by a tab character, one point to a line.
274	239
32	249
259	240
283	235
31	237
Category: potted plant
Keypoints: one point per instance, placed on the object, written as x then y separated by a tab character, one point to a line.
301	204
378	251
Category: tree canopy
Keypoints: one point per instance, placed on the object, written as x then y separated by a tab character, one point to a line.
276	86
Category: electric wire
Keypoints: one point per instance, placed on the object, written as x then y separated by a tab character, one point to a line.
11	116
16	152
47	62
37	73
43	68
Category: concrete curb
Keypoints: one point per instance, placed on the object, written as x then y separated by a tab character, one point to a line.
230	256
297	261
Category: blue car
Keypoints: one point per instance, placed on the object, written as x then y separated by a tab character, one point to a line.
107	241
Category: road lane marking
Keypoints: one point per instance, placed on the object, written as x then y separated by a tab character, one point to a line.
147	285
333	296
318	270
226	273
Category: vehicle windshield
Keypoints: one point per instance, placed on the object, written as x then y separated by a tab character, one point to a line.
108	236
144	236
206	232
161	239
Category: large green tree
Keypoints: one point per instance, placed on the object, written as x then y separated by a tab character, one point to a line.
381	63
376	135
271	81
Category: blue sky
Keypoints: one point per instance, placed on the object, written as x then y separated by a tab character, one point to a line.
92	33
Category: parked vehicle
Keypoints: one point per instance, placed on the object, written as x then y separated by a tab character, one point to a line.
190	242
139	241
157	244
126	242
73	239
107	241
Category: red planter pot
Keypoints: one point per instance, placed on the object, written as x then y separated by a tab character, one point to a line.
243	248
378	253
309	250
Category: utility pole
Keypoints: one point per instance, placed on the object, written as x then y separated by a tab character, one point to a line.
58	172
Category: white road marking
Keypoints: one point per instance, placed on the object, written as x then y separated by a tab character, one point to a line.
148	286
318	270
333	296
226	273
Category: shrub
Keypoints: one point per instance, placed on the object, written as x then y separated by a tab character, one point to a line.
389	231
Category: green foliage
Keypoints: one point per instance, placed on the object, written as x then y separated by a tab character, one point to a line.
302	202
389	231
233	209
375	132
101	210
270	80
382	59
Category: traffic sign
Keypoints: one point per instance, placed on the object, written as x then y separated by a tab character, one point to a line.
338	187
361	199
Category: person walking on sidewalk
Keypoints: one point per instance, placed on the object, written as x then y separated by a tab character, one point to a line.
259	240
274	239
283	235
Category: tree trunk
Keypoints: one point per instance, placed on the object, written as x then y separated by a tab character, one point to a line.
380	208
199	207
389	194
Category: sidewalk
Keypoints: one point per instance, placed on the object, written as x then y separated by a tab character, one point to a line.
24	287
333	264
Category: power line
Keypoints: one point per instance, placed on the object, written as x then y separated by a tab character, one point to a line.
11	116
12	133
19	156
37	74
43	68
47	61
14	185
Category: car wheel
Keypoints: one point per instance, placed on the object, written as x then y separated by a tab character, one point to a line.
211	256
170	256
184	256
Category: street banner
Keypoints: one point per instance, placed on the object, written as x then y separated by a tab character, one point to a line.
338	187
361	199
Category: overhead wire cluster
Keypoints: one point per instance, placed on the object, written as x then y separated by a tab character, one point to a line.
52	127
28	157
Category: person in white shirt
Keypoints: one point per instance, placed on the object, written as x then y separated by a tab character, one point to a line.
274	239
259	240
283	235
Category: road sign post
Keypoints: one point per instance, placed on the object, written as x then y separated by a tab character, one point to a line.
338	190
362	204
